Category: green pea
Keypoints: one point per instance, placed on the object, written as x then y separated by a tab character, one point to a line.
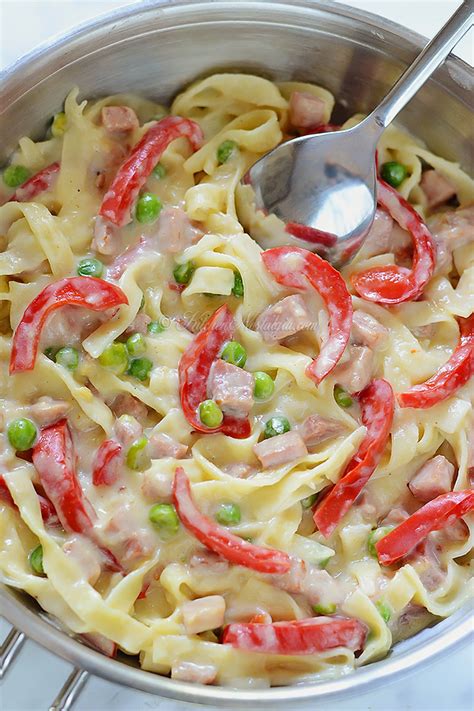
264	385
50	352
225	150
68	357
148	208
137	456
228	515
309	501
15	175
375	536
276	425
140	368
183	272
36	560
328	609
115	358
384	610
155	327
210	414
90	267
165	518
136	344
238	288
393	173
234	353
21	434
342	397
58	127
159	171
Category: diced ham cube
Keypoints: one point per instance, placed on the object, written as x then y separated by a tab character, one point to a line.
306	110
205	562
436	188
126	404
127	429
124	536
86	555
365	507
156	486
139	324
175	231
427	564
316	429
205	613
70	325
231	388
123	260
454	533
367	331
433	479
395	517
119	119
378	237
45	411
197	673
284	448
239	470
162	445
101	643
356	373
316	585
455	228
283	319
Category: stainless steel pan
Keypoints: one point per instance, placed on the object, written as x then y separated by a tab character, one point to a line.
155	48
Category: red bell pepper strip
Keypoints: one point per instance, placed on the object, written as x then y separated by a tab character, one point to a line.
307	636
393	284
376	403
106	465
54	460
294	267
310	234
48	513
37	184
89	292
234	549
450	377
194	368
133	173
433	516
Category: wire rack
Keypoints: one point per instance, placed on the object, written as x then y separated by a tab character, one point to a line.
69	692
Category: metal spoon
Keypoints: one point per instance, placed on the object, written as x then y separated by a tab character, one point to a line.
328	181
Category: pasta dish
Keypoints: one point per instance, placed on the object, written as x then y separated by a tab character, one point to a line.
219	452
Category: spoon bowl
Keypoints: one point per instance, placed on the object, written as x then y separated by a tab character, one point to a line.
323	187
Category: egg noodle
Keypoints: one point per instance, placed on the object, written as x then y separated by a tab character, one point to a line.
138	605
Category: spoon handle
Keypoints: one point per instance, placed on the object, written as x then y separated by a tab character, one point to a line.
424	65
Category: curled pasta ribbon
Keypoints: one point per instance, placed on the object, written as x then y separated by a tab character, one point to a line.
47	234
257	132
